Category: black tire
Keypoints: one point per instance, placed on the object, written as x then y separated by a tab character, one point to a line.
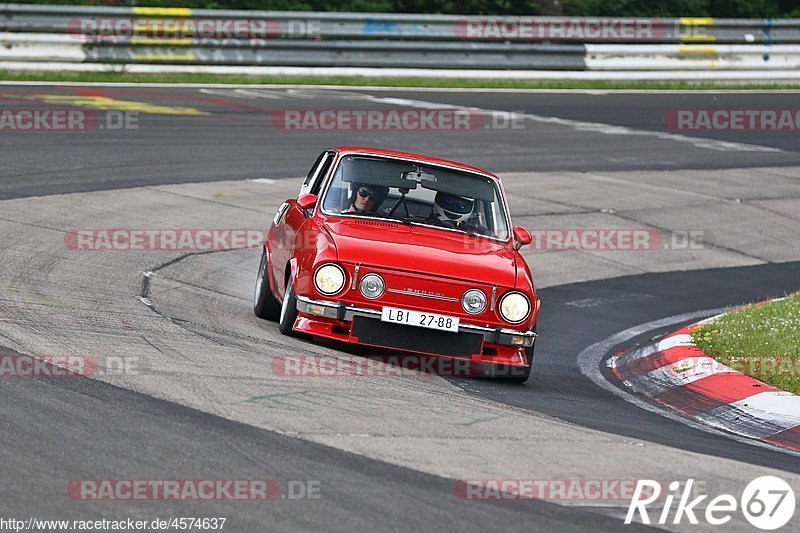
515	374
288	311
265	305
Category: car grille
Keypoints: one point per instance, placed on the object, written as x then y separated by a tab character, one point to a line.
374	332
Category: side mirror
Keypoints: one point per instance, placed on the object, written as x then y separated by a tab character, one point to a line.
522	236
307	201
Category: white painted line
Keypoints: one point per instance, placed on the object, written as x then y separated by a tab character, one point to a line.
369	72
265	181
677	374
595	127
664	344
760	416
780	408
674	341
711	319
386	88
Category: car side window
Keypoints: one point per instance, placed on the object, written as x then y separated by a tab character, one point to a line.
323	171
313	182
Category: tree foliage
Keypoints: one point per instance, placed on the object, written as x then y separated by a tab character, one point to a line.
577	8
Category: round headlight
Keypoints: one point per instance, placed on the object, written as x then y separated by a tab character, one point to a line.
514	307
329	279
372	286
473	301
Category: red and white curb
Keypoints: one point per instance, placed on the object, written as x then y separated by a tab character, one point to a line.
675	373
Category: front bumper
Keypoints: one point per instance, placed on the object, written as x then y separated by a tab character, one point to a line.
345	313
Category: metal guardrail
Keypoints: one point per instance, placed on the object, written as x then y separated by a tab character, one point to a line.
57	19
124	35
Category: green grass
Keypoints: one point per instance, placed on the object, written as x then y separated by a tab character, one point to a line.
457	83
762	341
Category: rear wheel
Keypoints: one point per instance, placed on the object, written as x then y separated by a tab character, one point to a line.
288	314
265	305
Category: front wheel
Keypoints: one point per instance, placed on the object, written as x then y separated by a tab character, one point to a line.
288	314
265	305
515	374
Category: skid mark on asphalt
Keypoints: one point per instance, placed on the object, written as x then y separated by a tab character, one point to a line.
578	125
249	94
479	420
108	104
595	302
309	399
275	396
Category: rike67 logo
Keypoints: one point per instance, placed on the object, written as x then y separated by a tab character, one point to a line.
768	503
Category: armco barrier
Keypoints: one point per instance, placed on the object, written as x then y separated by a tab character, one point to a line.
118	36
290	52
57	19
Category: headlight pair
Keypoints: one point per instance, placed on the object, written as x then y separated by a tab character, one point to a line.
514	306
330	279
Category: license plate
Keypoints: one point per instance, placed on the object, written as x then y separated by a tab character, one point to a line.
419	319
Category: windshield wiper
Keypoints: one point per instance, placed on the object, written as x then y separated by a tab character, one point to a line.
435	222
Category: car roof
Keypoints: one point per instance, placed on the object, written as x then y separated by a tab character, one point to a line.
415	157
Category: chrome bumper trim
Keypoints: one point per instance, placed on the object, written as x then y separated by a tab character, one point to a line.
340	311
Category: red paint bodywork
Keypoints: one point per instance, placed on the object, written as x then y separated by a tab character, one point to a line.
418	258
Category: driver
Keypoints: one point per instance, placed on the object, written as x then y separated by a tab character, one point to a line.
453	211
366	198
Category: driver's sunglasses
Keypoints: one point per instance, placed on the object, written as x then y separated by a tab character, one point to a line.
365	193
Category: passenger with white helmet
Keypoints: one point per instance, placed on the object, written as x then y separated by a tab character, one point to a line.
453	210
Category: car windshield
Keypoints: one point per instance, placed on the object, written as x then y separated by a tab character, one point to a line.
415	193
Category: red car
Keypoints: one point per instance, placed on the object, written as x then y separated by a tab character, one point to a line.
406	252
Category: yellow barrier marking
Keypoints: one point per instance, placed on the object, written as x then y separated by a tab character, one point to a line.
698	38
697	50
696	30
105	103
697	21
166	42
163	11
163	25
164	57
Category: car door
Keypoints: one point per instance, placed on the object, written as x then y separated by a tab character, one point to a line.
289	218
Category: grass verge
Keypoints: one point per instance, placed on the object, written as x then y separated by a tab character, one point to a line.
455	83
762	341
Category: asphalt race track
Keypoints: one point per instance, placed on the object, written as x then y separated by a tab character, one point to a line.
205	402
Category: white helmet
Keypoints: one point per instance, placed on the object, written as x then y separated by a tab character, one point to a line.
452	208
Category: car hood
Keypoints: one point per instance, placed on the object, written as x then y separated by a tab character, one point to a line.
422	249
